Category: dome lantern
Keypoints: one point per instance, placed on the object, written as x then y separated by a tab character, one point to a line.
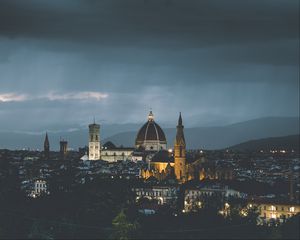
150	116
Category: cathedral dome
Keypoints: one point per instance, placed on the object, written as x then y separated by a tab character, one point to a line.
151	136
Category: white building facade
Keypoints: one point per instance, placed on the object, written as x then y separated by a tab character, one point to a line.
94	142
39	187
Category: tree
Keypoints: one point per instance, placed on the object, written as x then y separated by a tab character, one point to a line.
122	228
252	215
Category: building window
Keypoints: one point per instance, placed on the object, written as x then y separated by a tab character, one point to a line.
292	209
282	208
273	208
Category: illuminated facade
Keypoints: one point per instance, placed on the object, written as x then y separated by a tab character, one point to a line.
163	194
193	198
163	163
94	141
160	166
111	153
180	153
39	188
275	211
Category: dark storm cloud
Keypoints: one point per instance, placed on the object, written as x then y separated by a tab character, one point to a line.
218	59
243	31
152	23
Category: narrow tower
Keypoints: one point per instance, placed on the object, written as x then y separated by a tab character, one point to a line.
94	141
291	180
63	148
179	153
46	147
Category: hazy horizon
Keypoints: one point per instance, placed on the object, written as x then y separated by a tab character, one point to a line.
211	137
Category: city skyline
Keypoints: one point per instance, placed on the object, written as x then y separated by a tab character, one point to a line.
149	119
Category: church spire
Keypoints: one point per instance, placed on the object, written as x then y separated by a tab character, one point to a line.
179	134
180	120
180	152
46	146
46	142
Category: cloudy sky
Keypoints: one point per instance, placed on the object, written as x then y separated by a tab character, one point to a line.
216	61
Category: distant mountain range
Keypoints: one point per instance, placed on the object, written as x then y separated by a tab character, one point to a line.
197	137
225	136
275	143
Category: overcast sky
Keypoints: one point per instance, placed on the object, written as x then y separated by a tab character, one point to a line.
216	61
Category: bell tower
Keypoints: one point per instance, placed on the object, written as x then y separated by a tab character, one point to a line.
94	141
63	148
179	153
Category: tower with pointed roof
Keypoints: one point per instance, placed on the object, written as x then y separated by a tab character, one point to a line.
180	153
46	147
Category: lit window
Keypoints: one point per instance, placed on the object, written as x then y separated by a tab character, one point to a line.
273	208
273	215
292	209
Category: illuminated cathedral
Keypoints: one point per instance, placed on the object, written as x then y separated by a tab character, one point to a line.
174	163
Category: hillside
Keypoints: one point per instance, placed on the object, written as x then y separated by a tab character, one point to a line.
222	137
286	143
198	137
